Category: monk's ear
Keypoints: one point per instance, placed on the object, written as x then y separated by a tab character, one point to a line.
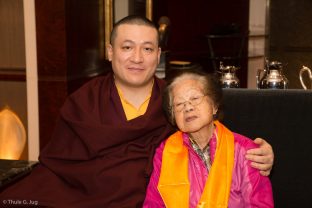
109	49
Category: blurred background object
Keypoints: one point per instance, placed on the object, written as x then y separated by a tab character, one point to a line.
12	135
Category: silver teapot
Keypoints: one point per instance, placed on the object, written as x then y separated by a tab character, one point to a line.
228	76
273	77
302	70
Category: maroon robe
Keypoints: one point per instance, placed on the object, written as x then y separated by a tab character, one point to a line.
96	158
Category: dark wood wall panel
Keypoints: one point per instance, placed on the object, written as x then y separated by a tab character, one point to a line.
52	63
69	53
85	39
51	38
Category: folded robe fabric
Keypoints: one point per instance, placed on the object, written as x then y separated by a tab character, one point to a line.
96	158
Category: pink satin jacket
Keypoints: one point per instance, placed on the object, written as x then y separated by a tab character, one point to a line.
248	188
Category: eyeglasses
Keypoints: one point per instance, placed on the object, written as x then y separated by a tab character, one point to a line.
195	100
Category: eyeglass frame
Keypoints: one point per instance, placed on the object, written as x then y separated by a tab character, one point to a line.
183	104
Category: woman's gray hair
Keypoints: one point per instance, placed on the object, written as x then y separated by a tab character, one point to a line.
211	87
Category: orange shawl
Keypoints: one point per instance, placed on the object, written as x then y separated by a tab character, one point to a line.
174	185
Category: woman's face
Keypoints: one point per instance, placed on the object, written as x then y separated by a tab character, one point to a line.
193	110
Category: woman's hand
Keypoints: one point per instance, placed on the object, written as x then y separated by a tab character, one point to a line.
261	158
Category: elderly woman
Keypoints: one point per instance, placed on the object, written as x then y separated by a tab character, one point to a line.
203	164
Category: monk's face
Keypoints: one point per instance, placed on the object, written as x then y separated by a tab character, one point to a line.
134	55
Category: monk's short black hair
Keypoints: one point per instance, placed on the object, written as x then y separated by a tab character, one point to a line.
132	20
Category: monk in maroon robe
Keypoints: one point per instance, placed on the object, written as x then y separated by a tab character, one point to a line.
96	158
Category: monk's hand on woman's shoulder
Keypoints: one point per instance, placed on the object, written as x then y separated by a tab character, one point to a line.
261	158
